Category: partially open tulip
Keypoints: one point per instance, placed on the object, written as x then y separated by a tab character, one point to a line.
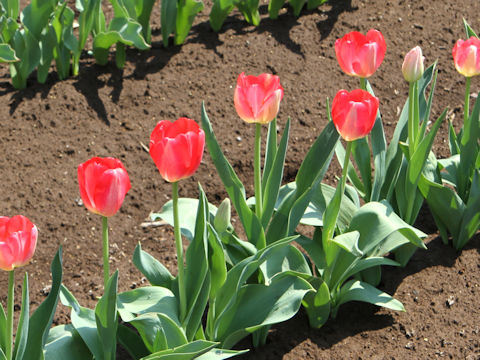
257	98
18	238
466	56
412	67
177	148
360	55
104	182
354	113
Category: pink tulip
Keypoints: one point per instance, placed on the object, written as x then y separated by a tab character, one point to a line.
412	67
104	182
466	56
360	55
177	148
18	238
354	113
257	98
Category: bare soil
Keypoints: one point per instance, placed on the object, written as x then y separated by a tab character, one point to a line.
48	129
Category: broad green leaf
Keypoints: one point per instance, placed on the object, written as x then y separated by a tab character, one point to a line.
274	7
314	248
355	290
219	12
217	265
449	168
349	242
36	14
186	12
249	9
106	318
317	304
287	258
41	320
361	154
154	271
144	10
234	187
7	54
219	354
313	4
188	351
11	8
27	50
23	322
297	6
364	264
168	19
471	216
64	342
258	305
145	300
131	341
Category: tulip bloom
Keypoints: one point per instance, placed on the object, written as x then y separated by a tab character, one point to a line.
257	98
177	148
104	182
18	238
354	113
412	67
466	56
360	55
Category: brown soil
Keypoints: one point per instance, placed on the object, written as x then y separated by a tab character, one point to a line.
47	130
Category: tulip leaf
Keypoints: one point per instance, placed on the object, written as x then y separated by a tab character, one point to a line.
190	351
355	290
186	12
7	54
27	49
217	264
3	328
154	271
131	341
220	354
219	12
469	30
286	258
41	320
36	14
471	217
168	16
23	322
318	304
64	342
249	9
234	187
270	151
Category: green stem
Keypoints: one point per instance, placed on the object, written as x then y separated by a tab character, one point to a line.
106	265
363	84
466	112
179	246
411	130
257	172
10	302
346	161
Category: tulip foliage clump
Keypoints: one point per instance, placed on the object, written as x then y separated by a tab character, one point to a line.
212	302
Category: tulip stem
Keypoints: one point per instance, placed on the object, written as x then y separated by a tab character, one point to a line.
179	246
411	109
257	173
10	302
106	265
466	112
363	83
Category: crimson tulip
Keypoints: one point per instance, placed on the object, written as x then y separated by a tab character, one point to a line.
466	56
177	148
257	98
360	55
104	182
18	238
354	113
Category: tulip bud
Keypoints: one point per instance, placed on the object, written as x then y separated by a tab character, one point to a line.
412	67
222	218
466	56
18	239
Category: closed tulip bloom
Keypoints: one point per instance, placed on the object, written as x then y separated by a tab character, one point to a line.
257	98
354	113
103	182
466	56
18	238
412	66
177	148
360	55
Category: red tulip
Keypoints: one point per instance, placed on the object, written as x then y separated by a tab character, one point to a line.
354	113
466	56
360	55
257	98
177	148
18	238
104	182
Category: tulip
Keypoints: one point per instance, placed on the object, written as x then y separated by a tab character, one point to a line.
412	66
466	56
104	182
257	98
18	238
177	148
354	113
360	55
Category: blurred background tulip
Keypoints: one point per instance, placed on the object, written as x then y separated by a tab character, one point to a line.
177	148
360	55
257	98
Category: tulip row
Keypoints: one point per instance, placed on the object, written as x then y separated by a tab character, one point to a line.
222	278
44	31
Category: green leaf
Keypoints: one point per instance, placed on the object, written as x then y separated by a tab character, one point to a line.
249	9
234	187
28	51
168	19
64	342
313	4
144	10
154	271
452	140
355	290
131	341
7	54
184	352
349	242
41	320
186	12
3	329
318	304
297	6
106	318
220	354
361	154
36	14
468	29
219	12
217	265
282	259
274	7
23	322
471	217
